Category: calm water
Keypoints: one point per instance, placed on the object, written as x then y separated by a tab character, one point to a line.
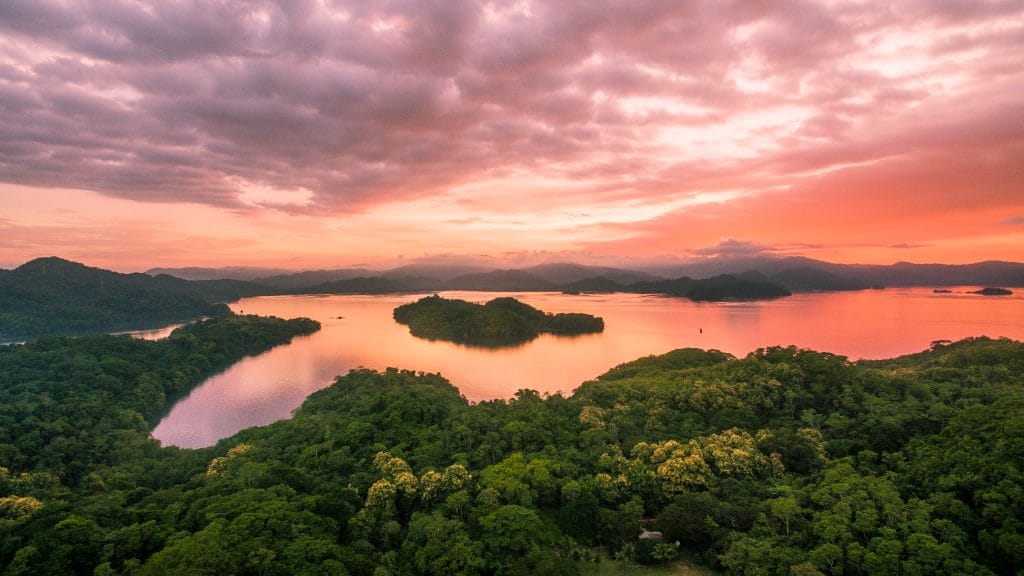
359	331
154	334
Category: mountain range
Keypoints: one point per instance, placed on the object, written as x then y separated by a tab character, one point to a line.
794	273
988	273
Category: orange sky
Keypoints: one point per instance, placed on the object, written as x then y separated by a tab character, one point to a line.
335	134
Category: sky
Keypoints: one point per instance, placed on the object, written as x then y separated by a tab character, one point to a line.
315	134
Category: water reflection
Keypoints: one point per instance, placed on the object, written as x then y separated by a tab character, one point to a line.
154	334
359	331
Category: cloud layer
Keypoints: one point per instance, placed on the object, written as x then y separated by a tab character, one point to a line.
607	116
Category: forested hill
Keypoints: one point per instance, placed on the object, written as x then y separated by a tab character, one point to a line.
499	322
55	296
716	288
784	462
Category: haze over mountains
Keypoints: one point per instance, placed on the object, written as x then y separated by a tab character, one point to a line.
794	273
229	272
567	277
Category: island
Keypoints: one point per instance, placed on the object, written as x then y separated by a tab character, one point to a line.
993	292
714	289
500	322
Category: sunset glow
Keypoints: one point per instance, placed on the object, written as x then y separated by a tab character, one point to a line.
323	134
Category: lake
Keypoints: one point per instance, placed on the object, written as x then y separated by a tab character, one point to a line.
359	331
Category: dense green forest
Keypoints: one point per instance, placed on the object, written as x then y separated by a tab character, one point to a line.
68	405
784	462
499	322
55	296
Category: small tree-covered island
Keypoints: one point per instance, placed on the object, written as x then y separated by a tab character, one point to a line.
993	292
499	322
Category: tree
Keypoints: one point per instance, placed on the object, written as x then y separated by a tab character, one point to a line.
785	509
510	532
439	546
690	520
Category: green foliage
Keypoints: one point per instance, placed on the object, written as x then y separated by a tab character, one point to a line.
674	360
68	405
786	462
500	322
511	532
54	296
438	546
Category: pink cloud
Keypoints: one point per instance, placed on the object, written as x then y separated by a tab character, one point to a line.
888	113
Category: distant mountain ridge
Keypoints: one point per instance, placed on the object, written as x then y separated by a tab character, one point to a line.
371	285
443	272
721	287
565	273
309	278
502	281
225	273
806	279
988	273
795	273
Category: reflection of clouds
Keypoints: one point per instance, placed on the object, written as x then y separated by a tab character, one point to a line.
866	324
158	334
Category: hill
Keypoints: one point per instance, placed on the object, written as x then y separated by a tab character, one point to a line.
225	273
500	322
708	267
309	278
501	281
230	290
989	273
716	288
597	285
429	276
370	285
567	273
814	280
55	296
440	272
